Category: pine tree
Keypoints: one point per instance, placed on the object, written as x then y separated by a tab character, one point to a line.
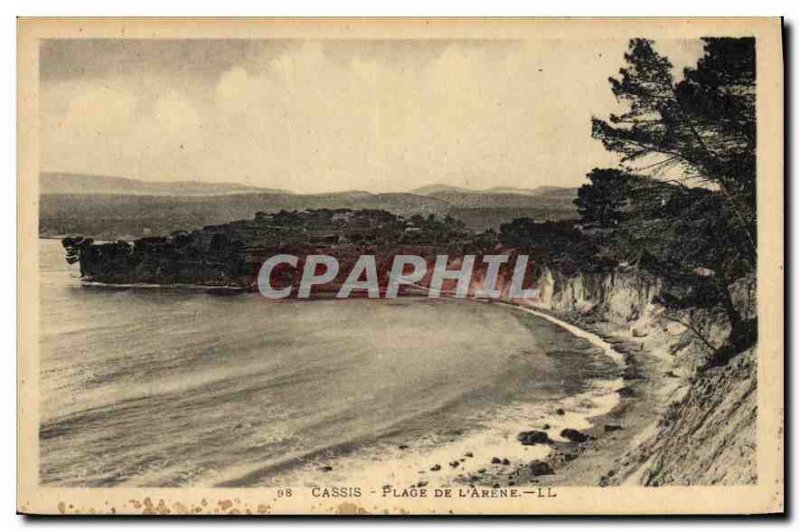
688	212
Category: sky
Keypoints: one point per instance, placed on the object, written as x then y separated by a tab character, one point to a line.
331	115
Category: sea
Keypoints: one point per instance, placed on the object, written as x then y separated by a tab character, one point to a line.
165	387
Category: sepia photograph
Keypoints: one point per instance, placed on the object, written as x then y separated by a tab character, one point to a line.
400	266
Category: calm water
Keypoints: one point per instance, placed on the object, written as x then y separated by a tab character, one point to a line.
157	387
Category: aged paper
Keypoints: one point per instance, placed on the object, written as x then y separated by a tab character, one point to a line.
400	266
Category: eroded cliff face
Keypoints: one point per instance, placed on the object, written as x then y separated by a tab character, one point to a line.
622	304
704	430
706	438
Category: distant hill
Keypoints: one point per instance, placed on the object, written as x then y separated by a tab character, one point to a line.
513	190
443	190
507	200
434	188
556	192
111	208
76	183
481	219
118	216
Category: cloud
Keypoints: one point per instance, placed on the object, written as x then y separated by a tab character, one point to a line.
99	109
236	91
175	115
319	116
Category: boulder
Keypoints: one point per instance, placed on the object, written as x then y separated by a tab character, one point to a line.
533	437
540	468
573	435
612	427
625	392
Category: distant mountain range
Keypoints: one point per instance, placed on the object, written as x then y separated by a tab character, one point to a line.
433	189
76	183
117	208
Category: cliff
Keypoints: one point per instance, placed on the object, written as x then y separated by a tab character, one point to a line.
704	430
706	438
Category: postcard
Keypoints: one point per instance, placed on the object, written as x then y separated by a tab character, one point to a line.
400	266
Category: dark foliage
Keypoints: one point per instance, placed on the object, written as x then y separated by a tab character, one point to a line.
231	254
688	212
601	204
559	244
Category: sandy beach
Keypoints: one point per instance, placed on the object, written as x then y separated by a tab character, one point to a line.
648	384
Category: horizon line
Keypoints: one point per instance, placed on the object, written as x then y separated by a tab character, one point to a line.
279	189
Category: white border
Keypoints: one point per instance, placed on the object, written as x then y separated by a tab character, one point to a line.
307	8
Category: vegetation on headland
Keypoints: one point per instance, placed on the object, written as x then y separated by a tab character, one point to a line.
108	214
231	254
687	211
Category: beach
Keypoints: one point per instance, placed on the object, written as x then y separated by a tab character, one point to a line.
160	387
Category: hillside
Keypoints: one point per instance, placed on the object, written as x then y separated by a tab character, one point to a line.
112	208
231	254
479	219
466	194
110	217
74	183
507	200
433	188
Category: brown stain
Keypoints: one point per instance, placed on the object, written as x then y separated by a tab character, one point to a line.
179	508
160	509
347	508
224	505
149	506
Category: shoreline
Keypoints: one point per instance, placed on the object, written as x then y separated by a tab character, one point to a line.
488	456
611	432
177	286
620	440
493	457
598	460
